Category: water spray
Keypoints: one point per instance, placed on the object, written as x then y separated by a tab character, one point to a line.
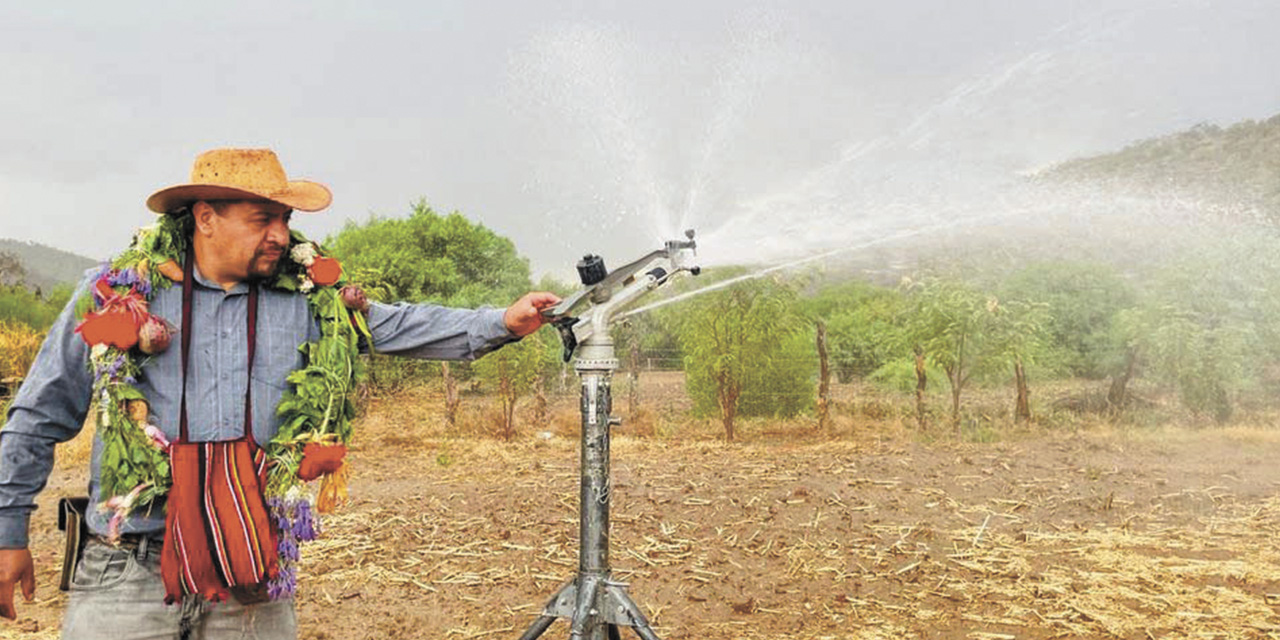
593	602
901	235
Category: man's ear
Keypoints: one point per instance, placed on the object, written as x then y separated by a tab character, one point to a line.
203	213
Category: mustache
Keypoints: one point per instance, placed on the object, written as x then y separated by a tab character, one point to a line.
263	250
277	260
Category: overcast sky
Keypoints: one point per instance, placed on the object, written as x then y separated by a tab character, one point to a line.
603	126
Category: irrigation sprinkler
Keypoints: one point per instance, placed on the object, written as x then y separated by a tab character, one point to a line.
594	603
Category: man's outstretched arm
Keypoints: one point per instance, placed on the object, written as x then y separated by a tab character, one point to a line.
441	333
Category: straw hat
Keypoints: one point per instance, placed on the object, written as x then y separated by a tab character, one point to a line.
241	174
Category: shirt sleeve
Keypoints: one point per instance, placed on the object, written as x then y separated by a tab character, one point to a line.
432	332
50	408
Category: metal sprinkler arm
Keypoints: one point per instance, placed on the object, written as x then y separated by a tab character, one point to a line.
606	299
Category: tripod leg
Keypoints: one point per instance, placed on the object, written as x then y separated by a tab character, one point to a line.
544	621
638	621
538	627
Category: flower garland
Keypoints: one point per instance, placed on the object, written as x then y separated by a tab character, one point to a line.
315	414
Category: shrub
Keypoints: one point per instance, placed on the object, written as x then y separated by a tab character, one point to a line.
18	346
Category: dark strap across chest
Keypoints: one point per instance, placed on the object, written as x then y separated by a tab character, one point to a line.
188	293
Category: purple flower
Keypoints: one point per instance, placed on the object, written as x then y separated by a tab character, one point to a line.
113	370
304	521
129	277
279	514
288	548
283	585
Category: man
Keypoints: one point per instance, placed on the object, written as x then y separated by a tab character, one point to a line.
241	203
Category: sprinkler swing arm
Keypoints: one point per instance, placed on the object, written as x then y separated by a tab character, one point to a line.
595	605
607	293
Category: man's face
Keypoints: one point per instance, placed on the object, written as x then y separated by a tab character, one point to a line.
252	235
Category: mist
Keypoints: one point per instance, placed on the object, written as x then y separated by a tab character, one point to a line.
778	133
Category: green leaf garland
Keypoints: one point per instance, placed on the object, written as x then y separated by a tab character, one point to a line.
318	408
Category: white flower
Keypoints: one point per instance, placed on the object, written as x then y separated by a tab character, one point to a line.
298	492
304	254
98	350
104	408
306	285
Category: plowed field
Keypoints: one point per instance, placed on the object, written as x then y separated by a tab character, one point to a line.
1146	534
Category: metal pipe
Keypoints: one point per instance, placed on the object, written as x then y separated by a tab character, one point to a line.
595	605
585	624
595	482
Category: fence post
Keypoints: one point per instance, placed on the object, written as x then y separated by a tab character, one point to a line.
824	381
450	397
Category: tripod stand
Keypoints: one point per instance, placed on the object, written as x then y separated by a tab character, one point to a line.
594	603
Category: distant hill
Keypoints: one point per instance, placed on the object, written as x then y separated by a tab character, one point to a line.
1237	167
39	266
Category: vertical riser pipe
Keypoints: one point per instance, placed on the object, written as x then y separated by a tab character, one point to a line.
595	484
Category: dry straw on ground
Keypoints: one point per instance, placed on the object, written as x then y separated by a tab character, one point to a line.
1095	534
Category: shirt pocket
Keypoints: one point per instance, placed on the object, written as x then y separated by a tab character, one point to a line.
277	356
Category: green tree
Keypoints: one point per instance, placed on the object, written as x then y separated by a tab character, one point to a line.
19	304
862	326
512	371
1081	302
1197	332
747	351
952	325
1205	364
448	260
427	257
1017	338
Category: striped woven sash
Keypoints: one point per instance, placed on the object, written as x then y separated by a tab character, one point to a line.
218	534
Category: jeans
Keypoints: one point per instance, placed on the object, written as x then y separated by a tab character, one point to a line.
117	594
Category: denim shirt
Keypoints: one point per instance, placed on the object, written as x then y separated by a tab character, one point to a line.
53	401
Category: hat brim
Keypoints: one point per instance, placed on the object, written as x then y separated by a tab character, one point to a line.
300	195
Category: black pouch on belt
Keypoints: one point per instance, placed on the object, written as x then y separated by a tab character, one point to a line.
72	521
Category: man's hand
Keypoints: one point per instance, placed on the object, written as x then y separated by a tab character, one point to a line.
524	316
15	566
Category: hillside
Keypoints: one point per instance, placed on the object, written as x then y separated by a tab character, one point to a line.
40	266
1237	167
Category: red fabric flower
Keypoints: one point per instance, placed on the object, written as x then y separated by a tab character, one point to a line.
324	271
320	459
112	327
116	324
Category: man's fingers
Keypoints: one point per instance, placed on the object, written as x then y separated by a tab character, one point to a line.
544	299
541	299
15	567
524	316
6	601
28	584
